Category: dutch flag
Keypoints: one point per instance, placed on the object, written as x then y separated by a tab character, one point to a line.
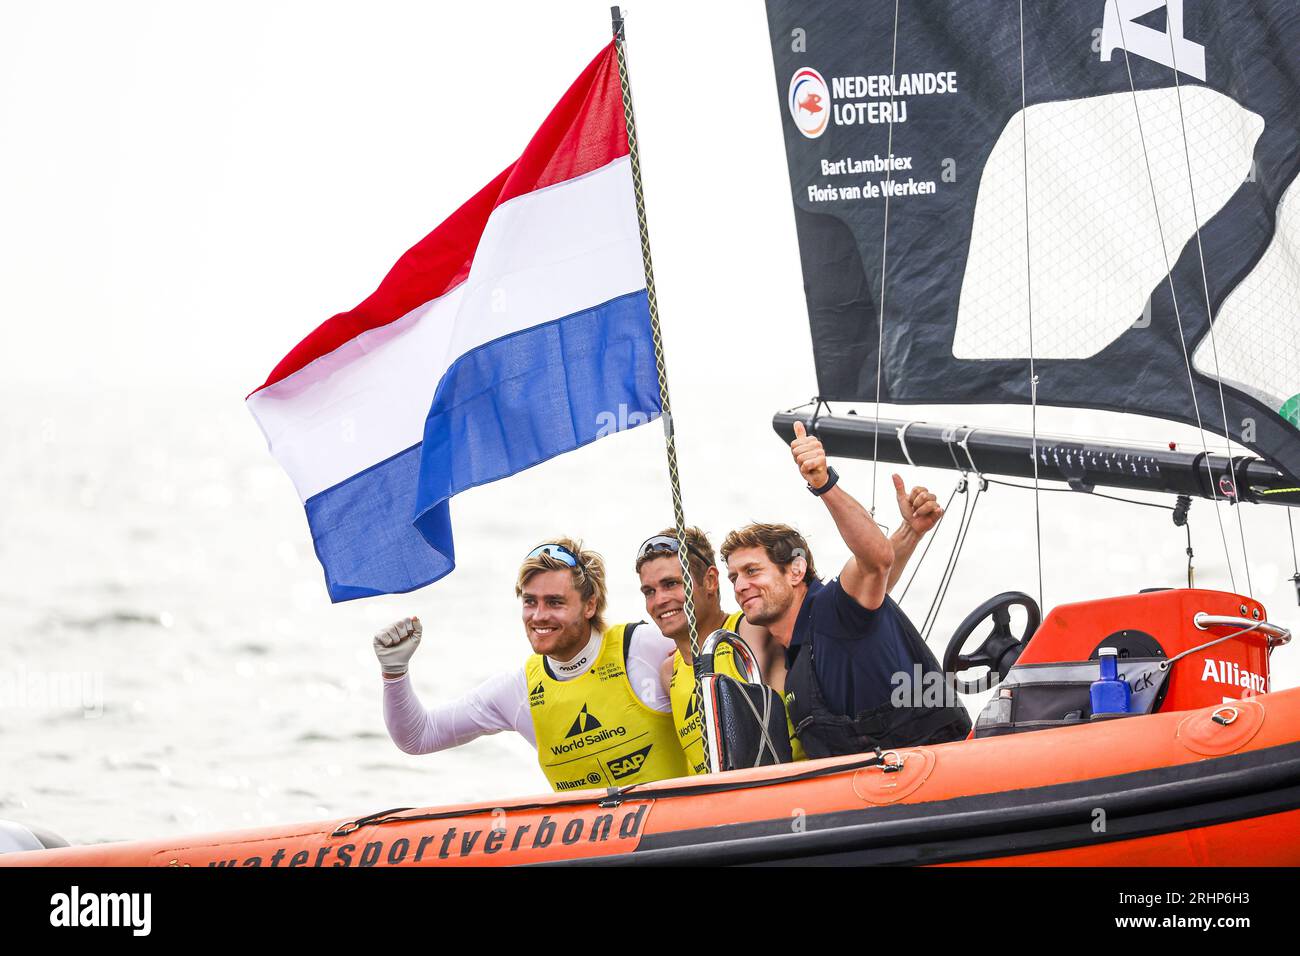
495	343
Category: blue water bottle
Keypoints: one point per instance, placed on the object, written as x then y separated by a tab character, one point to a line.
1110	692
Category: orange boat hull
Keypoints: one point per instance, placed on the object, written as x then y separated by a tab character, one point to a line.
1166	789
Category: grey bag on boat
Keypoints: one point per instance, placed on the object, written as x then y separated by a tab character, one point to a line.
1039	696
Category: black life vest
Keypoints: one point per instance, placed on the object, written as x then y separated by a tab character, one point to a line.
825	733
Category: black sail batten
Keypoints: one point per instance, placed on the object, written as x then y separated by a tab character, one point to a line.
845	47
1082	465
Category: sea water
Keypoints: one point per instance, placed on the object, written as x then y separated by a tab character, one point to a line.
171	663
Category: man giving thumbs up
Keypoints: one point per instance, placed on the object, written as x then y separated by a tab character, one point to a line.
850	649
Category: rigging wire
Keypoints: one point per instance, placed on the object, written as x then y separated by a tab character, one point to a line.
1295	564
1176	509
1153	444
1091	494
968	517
1209	310
1029	295
884	252
670	442
961	523
959	545
1169	275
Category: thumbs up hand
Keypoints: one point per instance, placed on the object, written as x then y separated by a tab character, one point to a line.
809	456
919	508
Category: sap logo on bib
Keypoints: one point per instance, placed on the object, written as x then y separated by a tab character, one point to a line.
629	764
810	102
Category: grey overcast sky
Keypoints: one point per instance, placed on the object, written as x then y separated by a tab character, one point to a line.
189	188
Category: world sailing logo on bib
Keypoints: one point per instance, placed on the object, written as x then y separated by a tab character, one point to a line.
584	722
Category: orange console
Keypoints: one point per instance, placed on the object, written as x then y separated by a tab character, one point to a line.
1218	642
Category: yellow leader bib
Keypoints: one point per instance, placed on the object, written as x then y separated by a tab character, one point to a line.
593	731
687	717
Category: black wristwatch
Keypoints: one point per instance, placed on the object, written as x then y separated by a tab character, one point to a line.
832	477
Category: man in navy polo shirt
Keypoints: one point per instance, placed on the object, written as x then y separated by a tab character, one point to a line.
846	641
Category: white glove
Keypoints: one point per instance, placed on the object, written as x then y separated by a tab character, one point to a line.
395	644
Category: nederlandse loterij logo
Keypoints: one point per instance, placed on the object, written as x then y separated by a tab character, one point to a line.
810	102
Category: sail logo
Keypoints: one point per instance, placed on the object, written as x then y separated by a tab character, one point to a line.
1227	672
810	102
1120	30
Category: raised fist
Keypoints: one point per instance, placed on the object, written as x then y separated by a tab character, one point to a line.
395	644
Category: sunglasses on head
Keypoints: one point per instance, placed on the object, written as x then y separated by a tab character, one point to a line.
666	544
557	551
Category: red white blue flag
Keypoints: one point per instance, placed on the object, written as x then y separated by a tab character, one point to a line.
503	338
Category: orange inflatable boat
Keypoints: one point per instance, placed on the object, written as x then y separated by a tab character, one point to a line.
1211	776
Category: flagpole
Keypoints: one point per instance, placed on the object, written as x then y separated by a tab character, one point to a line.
667	414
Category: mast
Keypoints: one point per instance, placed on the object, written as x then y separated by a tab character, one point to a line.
670	440
1081	464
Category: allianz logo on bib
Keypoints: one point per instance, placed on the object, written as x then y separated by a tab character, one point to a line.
582	783
75	908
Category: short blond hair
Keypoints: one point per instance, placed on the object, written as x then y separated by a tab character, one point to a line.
780	542
588	577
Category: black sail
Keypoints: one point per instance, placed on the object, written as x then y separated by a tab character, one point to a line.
1121	243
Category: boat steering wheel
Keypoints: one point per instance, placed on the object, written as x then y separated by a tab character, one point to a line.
1000	650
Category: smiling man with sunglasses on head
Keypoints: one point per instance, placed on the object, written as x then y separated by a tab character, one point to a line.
591	698
660	571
